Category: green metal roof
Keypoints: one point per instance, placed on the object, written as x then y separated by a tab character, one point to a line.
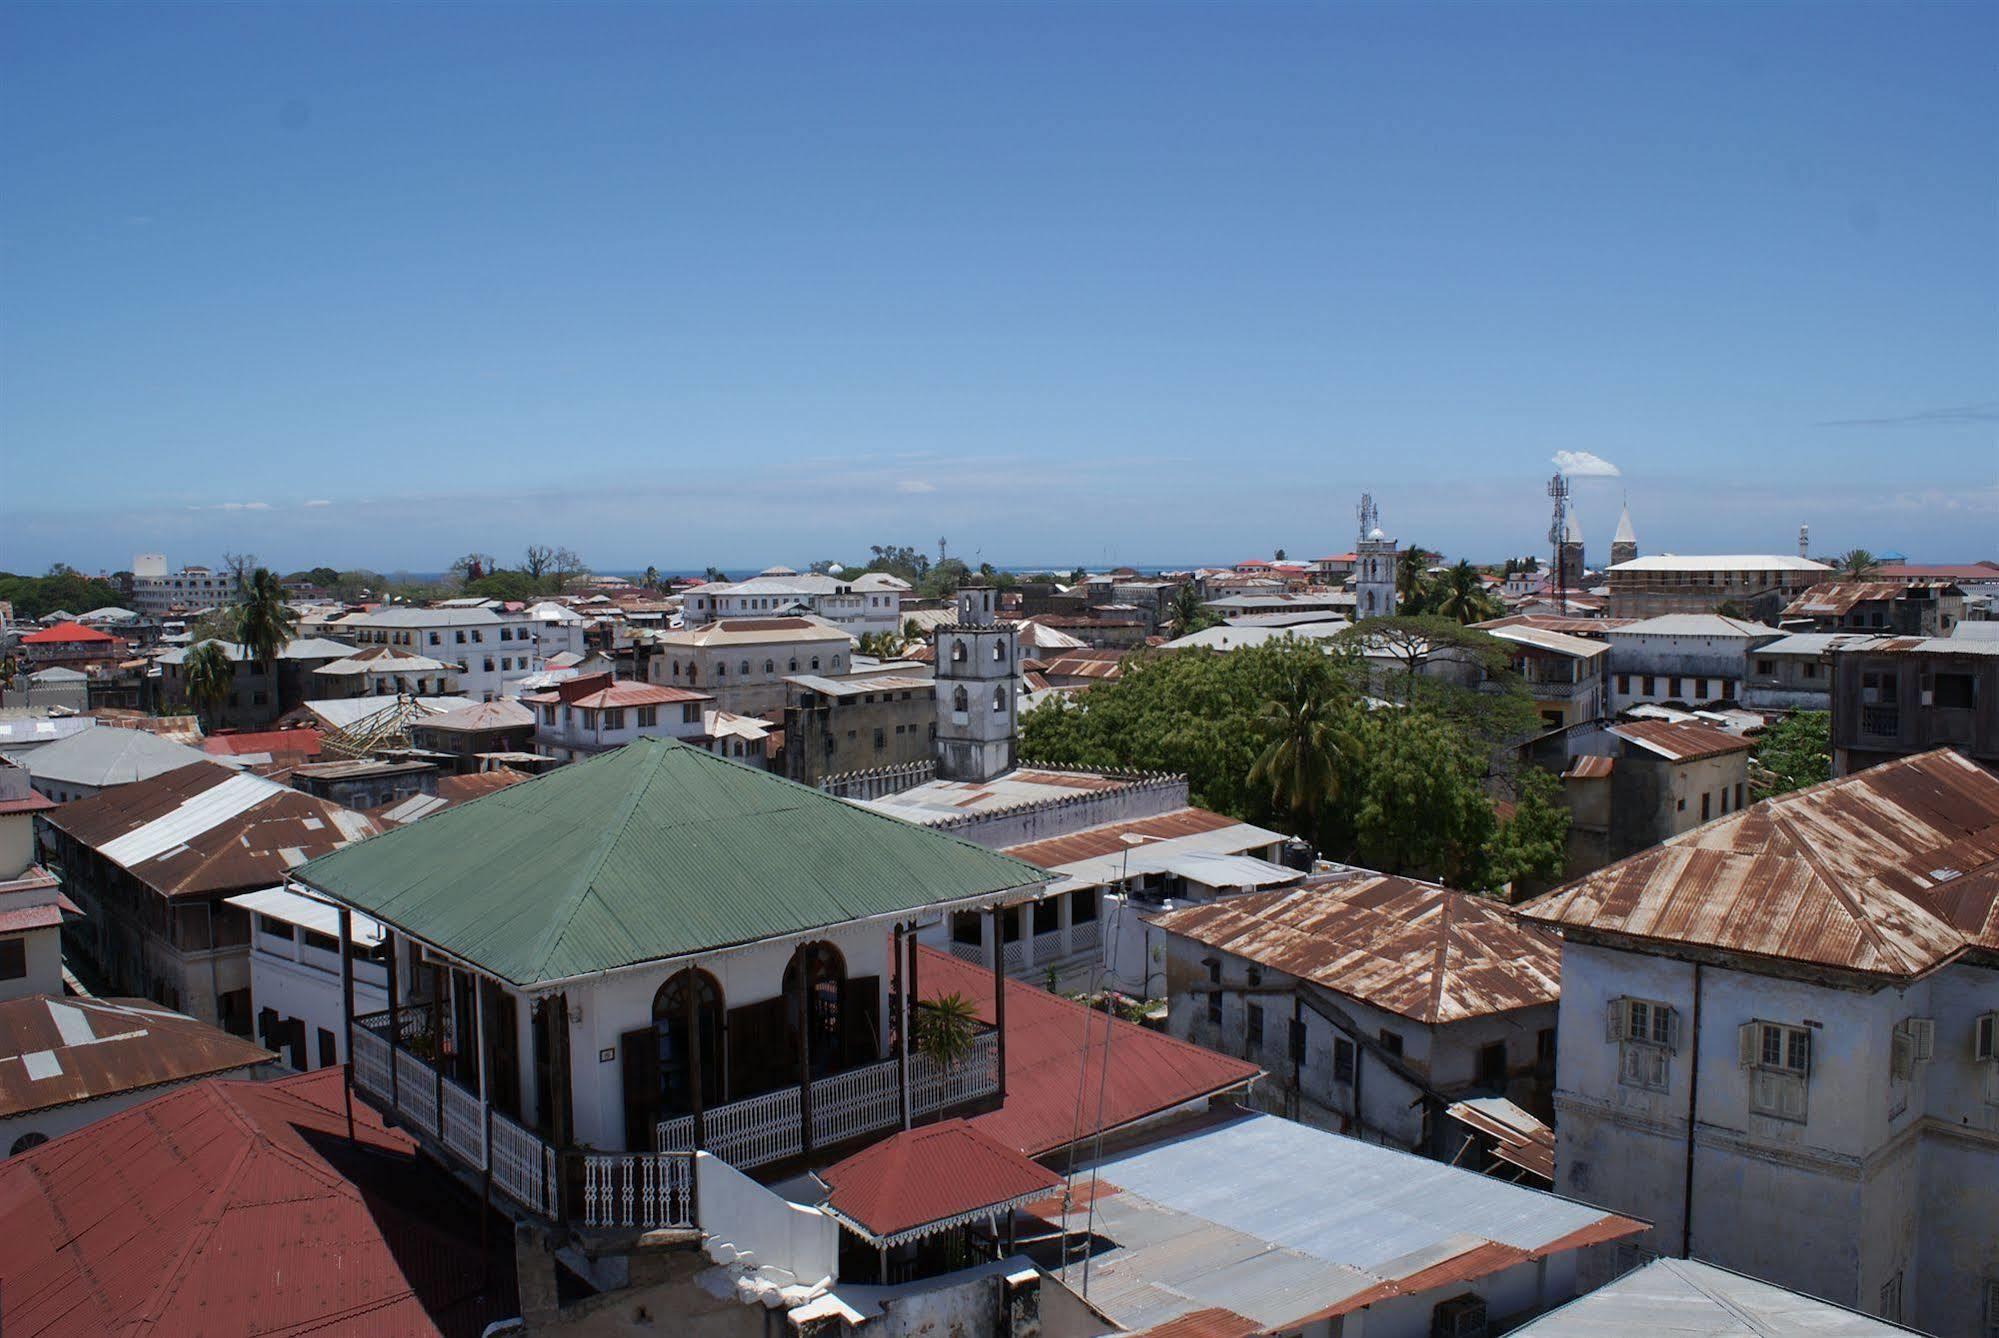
651	851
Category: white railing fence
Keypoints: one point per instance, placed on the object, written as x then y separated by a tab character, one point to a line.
416	1092
1084	936
638	1189
464	1125
371	1063
524	1167
854	1102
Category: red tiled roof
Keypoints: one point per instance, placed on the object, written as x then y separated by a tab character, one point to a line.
1948	571
28	803
23	918
66	632
241	1207
304	742
1214	1322
939	1174
1149	1072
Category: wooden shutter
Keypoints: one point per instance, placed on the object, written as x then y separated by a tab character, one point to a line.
1985	1036
763	1053
1746	1040
638	1052
860	1020
1613	1023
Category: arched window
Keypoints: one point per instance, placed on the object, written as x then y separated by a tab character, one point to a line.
815	662
999	651
957	652
676	669
999	699
825	972
721	669
794	665
746	668
669	1025
26	1141
770	666
960	699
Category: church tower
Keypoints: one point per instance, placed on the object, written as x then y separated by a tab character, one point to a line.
976	671
1623	544
1374	566
1571	551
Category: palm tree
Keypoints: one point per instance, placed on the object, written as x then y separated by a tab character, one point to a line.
945	1027
1300	765
264	623
1857	563
1461	595
1410	570
1186	613
651	578
209	676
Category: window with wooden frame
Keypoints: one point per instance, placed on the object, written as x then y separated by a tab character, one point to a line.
1647	1034
1778	1059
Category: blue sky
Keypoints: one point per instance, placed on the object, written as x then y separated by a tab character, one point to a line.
757	283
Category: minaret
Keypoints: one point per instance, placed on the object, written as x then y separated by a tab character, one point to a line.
1624	544
976	713
1374	565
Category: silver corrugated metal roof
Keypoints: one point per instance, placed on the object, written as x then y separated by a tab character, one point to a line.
106	757
196	814
1696	1300
295	908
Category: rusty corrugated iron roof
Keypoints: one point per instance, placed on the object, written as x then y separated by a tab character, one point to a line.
1890	872
1830	599
54	1051
1681	740
1109	838
206	828
1415	949
1589	768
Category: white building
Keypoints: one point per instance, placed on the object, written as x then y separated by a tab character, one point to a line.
558	629
295	974
581	717
157	591
743	663
1372	1001
869	603
1689	658
31	900
1777	1041
493	648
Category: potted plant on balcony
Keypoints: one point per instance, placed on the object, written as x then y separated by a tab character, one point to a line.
945	1027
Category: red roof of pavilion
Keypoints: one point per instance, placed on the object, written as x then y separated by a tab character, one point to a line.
66	632
935	1176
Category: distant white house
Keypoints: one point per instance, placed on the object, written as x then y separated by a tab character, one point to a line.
870	603
493	647
558	629
1689	658
295	974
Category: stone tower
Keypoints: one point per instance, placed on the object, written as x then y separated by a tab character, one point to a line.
977	656
1374	566
1623	544
1571	551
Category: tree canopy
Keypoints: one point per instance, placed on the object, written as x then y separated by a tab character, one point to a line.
63	588
1794	752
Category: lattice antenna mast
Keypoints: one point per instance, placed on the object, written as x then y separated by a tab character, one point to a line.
1370	519
1558	530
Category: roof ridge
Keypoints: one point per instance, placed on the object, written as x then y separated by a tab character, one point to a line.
1780	818
650	759
207	1218
1441	964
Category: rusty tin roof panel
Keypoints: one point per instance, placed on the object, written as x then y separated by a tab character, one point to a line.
1416	949
1889	872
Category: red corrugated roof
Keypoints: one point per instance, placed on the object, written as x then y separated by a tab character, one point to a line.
66	632
1214	1322
1681	740
930	1175
105	1047
302	741
1149	1072
233	1207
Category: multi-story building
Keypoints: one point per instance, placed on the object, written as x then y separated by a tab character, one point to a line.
1794	672
871	602
31	900
1777	1041
158	593
1893	696
383	671
1375	559
295	974
1632	785
259	690
153	864
493	647
1373	1002
1688	659
581	717
1757	585
71	645
742	663
1565	675
1887	608
836	725
558	629
977	665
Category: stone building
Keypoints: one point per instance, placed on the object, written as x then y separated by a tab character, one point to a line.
1374	566
976	672
1756	585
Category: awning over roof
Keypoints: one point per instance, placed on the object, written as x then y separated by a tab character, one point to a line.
927	1180
296	908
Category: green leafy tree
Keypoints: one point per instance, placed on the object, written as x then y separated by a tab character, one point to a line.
1186	614
1794	752
942	580
1278	556
1460	596
1857	563
1530	849
1421	807
900	560
650	580
879	645
64	587
1412	569
208	675
264	622
1307	724
504	585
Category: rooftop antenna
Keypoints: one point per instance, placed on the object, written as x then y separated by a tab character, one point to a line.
1804	541
1370	519
1558	529
941	551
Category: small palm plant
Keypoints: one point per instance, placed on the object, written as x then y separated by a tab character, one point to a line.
945	1027
208	674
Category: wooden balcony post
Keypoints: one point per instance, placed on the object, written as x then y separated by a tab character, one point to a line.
901	986
395	1019
693	1059
347	1012
438	975
804	961
999	994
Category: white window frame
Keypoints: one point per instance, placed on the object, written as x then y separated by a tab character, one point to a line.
1778	1059
1647	1034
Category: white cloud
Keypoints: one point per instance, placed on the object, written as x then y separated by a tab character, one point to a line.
319	501
243	506
915	485
1583	464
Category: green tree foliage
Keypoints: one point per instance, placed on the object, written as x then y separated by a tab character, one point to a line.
879	645
1310	726
1794	752
1420	806
945	1028
506	585
63	588
1460	595
1530	848
1186	614
942	579
1412	570
1857	563
208	674
910	564
264	623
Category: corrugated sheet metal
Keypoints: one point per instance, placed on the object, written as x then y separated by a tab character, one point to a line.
1050	1038
1694	1300
1109	839
1890	871
931	1174
239	1207
1412	948
650	851
86	1048
1680	740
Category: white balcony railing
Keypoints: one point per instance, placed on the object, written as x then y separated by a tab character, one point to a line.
637	1189
762	1129
1049	946
1085	936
